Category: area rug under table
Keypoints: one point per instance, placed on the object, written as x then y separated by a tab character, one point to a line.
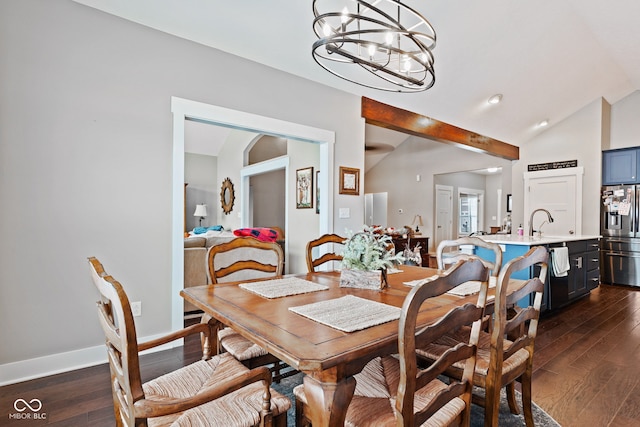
506	418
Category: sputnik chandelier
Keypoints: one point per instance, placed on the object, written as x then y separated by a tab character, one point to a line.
381	44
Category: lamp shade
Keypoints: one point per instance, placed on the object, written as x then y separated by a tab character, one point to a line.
201	211
417	220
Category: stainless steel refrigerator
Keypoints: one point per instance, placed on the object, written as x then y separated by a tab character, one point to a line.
620	244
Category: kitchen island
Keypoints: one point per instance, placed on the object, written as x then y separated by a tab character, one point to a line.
584	270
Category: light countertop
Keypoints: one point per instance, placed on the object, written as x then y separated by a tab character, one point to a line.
514	239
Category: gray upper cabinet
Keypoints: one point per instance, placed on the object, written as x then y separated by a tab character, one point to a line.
620	166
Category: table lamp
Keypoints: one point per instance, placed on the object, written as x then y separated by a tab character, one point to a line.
417	221
201	211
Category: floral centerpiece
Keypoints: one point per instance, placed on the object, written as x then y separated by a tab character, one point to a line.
366	256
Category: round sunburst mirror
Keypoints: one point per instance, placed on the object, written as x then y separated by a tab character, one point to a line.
227	196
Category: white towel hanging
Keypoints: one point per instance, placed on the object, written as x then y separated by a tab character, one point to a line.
560	261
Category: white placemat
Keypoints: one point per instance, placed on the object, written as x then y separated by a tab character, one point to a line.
467	288
419	282
349	313
287	286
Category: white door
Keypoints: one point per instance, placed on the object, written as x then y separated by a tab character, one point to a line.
444	213
559	192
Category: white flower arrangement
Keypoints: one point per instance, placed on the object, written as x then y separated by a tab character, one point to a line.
369	251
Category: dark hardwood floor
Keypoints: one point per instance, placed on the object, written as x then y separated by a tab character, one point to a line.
587	370
586	363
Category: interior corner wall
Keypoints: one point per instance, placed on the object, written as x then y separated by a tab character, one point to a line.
86	153
200	173
578	137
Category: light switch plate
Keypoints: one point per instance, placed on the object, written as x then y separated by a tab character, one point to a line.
344	213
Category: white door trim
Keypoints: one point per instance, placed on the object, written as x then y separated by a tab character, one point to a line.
183	109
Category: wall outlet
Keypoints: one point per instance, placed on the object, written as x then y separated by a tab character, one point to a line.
136	308
400	211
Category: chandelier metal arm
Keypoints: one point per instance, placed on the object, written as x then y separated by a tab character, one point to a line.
389	40
360	61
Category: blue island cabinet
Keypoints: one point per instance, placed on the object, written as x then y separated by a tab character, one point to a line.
583	274
509	252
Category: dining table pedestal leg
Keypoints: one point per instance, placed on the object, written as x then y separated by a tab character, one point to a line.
328	401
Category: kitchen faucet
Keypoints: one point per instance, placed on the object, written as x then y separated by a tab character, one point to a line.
531	220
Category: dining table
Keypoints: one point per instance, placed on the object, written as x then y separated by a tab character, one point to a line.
328	356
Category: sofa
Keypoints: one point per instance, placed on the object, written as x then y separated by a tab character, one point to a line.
196	249
196	271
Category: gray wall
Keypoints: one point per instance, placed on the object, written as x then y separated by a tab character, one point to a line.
268	199
625	126
86	155
201	173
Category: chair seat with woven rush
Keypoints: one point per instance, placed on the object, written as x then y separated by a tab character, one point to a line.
241	348
240	408
216	391
374	398
394	390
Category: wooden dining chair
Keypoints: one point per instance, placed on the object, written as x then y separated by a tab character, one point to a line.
448	253
217	390
246	258
394	391
445	258
505	354
323	242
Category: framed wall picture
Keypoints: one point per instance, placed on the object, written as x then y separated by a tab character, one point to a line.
349	181
304	188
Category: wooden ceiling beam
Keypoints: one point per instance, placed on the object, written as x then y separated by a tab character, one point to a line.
387	116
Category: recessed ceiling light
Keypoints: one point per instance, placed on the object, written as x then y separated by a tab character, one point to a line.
543	123
495	99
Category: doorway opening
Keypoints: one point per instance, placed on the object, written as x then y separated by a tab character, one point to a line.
183	110
470	211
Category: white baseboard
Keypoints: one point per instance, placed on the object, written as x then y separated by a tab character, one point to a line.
24	370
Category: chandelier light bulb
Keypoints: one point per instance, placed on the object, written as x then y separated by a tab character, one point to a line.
326	30
388	38
372	50
345	15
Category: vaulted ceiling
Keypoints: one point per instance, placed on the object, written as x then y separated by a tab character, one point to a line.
548	58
